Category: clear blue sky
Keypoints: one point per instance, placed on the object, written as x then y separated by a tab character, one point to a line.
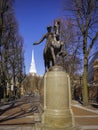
33	17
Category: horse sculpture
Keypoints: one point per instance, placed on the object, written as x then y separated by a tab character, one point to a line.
50	53
53	45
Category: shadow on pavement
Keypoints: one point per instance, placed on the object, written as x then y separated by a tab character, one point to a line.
17	109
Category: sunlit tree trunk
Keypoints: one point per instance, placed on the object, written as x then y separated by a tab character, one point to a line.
85	87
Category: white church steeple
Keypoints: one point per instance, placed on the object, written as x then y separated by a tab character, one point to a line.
32	66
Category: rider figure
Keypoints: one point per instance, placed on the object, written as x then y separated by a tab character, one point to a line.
48	36
53	45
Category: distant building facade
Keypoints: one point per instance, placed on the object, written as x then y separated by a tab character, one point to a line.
92	82
93	69
96	71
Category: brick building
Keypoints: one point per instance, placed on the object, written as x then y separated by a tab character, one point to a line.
95	66
93	78
93	69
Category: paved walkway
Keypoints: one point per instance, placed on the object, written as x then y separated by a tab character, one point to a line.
86	117
24	115
17	128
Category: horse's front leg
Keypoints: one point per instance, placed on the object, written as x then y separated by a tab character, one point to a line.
53	56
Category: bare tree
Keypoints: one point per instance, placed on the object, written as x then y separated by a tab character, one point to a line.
11	46
71	60
31	83
85	16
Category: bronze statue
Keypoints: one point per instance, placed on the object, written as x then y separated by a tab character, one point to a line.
53	45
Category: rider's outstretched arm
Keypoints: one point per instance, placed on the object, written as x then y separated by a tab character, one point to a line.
41	40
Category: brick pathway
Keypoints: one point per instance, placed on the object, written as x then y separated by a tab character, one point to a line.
20	112
87	117
25	113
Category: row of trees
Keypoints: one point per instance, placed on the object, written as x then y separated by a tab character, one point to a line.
80	36
11	48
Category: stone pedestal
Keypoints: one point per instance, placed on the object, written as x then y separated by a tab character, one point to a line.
57	109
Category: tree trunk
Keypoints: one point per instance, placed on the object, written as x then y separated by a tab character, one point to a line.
85	86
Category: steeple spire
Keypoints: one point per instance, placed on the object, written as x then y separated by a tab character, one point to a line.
32	66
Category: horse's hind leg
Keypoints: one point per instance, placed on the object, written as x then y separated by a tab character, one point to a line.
48	64
53	56
45	65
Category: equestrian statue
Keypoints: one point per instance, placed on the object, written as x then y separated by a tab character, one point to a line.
53	45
